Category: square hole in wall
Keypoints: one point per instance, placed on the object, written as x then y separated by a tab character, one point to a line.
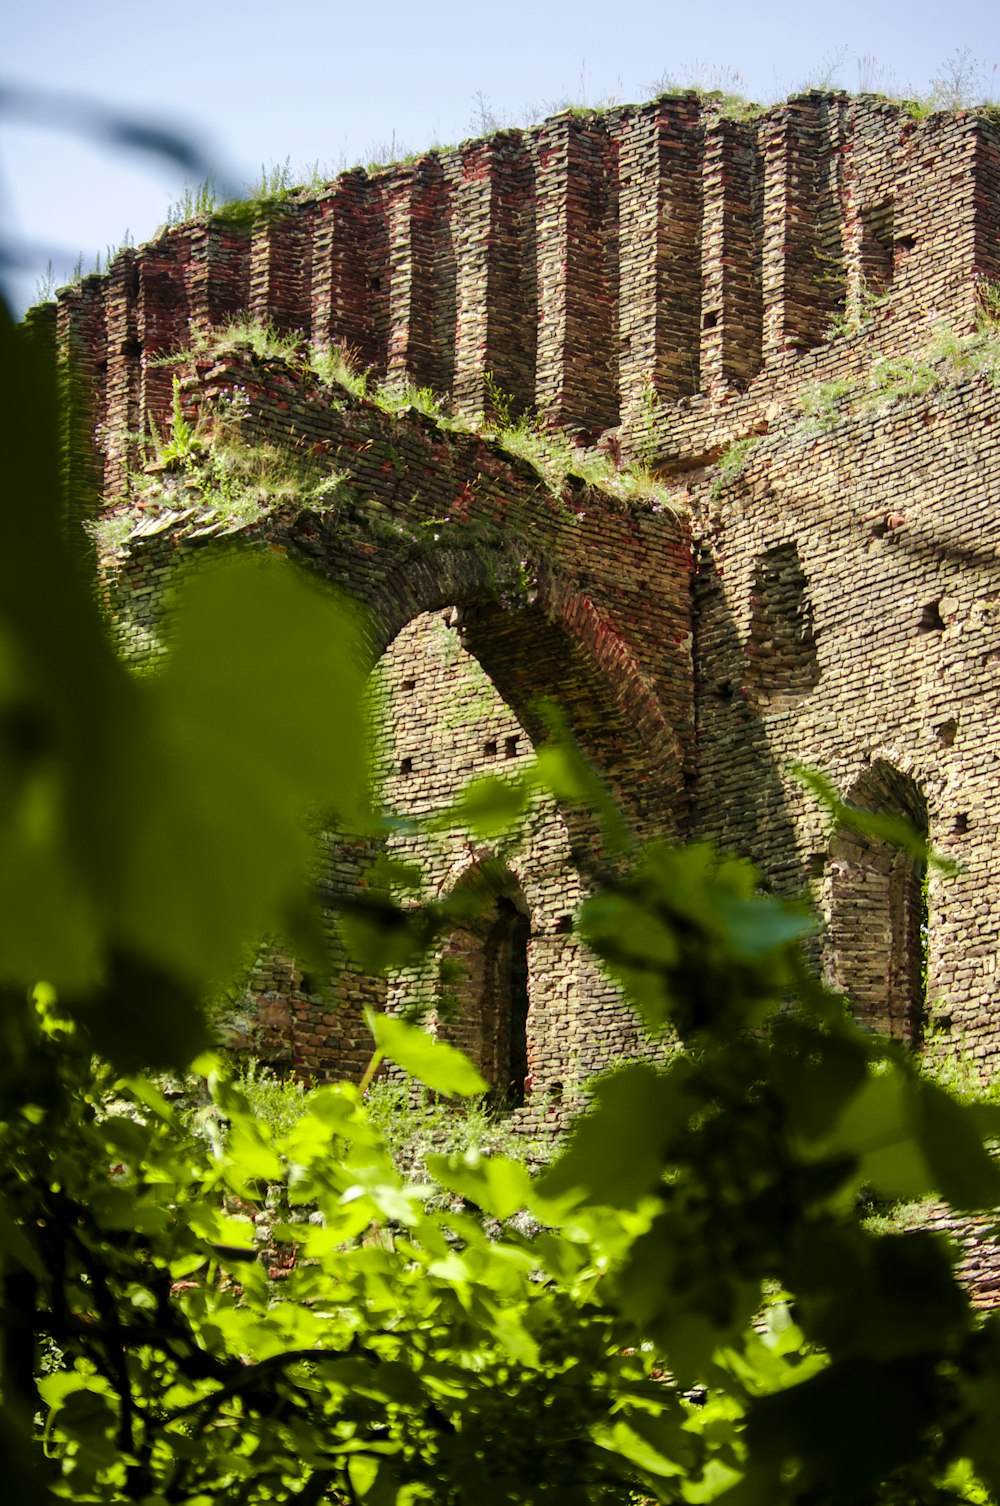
490	747
510	747
406	766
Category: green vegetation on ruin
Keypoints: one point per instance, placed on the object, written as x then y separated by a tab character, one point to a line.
211	465
945	360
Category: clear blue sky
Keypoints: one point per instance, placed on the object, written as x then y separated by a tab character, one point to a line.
335	82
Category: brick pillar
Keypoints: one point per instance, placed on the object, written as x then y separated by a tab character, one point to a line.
868	189
82	342
343	297
803	274
474	211
280	254
576	379
421	276
986	199
123	412
660	282
731	308
495	274
513	272
941	221
218	273
162	320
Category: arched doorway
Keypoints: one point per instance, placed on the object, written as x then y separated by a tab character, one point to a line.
485	992
878	909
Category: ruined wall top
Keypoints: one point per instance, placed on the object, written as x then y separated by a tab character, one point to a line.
610	270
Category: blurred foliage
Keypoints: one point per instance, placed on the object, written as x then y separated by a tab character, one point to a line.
692	1310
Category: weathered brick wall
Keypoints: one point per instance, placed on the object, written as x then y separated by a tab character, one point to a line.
665	280
880	651
600	268
484	590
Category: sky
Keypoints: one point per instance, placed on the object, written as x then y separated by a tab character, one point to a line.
324	84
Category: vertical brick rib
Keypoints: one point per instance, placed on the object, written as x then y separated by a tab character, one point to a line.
679	148
379	270
512	294
122	431
731	309
660	189
435	225
280	266
936	239
82	341
495	282
163	321
421	276
804	279
218	273
986	199
868	194
638	304
475	203
343	299
399	224
576	378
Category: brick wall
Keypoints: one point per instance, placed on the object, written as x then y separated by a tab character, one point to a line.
665	280
485	590
886	648
599	268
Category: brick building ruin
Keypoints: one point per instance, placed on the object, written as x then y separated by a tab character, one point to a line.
750	307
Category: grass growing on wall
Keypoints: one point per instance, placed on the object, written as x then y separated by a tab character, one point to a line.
211	464
945	360
214	469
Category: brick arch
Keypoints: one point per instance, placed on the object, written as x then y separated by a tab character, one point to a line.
539	637
878	910
443	723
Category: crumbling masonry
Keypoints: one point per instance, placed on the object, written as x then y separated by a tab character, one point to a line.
744	305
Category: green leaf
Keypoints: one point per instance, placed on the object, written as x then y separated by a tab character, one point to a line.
15	1243
880	1408
363	1472
434	1063
964	1172
249	1156
497	1185
490	806
877	1127
380	937
615	1153
653	1447
760	925
202	758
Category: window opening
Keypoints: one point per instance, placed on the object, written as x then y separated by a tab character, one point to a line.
877	249
782	644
